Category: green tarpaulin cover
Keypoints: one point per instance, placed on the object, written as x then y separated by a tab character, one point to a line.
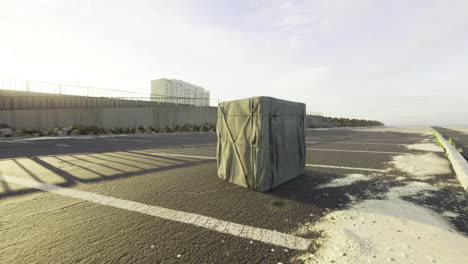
261	142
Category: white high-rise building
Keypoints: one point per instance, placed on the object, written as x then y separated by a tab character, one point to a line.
180	92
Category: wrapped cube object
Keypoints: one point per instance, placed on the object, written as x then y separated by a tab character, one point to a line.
261	142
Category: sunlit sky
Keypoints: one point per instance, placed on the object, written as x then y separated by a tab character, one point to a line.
403	62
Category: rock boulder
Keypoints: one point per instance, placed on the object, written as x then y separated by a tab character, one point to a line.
43	132
19	133
75	132
67	128
6	131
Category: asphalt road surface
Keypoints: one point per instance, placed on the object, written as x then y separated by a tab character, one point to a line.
459	136
157	198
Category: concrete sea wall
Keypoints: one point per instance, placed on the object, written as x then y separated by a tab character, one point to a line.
124	117
19	110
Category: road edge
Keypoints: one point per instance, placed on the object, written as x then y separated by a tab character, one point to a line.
459	163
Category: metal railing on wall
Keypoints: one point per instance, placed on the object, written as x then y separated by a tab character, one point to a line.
65	89
56	95
314	114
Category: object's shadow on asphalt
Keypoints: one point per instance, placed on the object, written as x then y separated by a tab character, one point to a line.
306	189
312	190
96	145
113	161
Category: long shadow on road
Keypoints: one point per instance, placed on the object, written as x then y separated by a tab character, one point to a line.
307	189
30	148
71	180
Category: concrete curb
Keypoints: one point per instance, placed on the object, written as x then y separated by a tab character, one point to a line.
459	163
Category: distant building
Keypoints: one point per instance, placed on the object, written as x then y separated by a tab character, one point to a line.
180	92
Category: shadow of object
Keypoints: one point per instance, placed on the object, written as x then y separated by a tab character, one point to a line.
307	189
72	180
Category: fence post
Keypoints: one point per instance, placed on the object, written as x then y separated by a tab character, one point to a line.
27	85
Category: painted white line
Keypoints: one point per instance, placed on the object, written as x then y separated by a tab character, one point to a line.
135	140
345	168
51	138
361	151
390	139
14	141
62	145
176	136
355	143
238	230
179	155
309	165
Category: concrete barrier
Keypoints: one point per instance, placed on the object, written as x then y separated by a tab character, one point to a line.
459	163
118	117
15	100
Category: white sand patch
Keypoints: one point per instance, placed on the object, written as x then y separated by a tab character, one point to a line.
351	198
412	188
450	214
422	165
426	147
378	231
347	180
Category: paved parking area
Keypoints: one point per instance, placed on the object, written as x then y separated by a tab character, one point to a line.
157	199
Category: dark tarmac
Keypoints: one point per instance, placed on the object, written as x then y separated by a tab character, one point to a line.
44	227
458	137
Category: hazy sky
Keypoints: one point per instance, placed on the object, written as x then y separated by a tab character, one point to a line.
400	62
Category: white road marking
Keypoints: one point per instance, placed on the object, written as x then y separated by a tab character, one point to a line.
361	151
179	155
13	141
346	168
355	143
391	139
177	136
62	145
135	140
50	138
230	228
309	165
